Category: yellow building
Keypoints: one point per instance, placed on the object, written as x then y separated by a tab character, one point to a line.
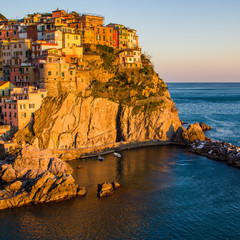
5	88
71	37
32	19
71	40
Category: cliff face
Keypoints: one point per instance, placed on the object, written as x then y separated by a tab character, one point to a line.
74	122
120	105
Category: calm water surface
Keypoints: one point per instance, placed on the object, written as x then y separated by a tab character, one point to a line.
166	192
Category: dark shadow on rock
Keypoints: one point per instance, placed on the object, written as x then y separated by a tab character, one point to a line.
171	134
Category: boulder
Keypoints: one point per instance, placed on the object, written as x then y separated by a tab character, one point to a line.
43	189
219	151
107	189
193	133
204	126
30	163
35	176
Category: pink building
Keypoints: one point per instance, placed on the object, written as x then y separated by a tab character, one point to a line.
39	46
23	102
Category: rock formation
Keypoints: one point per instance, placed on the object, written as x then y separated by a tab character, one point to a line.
204	126
220	151
107	189
74	122
35	176
193	133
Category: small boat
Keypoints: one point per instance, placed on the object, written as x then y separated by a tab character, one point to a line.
100	158
117	154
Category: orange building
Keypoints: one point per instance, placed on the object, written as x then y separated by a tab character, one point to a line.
99	35
58	13
89	21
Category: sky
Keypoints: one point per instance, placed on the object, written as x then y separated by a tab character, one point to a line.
188	40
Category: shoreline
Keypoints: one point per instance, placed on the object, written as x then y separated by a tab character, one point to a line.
94	151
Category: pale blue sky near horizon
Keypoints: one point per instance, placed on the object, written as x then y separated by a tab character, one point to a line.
188	40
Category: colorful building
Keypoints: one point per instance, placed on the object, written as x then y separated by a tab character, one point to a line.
127	38
130	58
54	36
5	89
8	32
89	21
39	46
1	64
21	105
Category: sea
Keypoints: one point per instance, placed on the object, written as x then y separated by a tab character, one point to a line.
166	192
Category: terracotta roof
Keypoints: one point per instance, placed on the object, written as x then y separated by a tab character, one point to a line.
2	83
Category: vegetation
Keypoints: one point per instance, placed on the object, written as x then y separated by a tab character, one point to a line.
127	86
147	107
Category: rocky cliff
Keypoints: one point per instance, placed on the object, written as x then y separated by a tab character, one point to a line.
74	122
127	105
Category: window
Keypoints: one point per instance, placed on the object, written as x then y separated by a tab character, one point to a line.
10	114
5	114
49	73
24	115
42	96
9	106
15	115
71	73
20	106
62	74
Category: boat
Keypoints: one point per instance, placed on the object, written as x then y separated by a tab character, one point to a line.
100	158
117	154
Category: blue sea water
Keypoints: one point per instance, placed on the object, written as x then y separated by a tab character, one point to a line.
166	192
216	104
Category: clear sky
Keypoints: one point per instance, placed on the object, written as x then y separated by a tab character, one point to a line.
189	40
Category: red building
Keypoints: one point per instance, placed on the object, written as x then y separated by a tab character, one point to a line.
115	38
8	32
32	32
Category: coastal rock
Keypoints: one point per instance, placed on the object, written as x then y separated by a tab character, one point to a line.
204	126
107	189
159	124
35	176
193	133
219	151
30	163
45	188
74	122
